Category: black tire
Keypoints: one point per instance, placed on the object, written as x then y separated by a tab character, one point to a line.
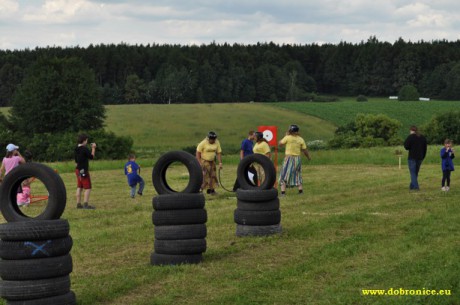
268	167
34	289
191	163
34	230
179	217
244	230
35	269
180	232
271	205
169	259
35	249
65	299
257	218
55	186
178	201
180	246
257	195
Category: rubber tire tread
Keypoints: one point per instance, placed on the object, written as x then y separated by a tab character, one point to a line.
178	259
35	269
268	167
64	299
180	232
271	205
191	163
34	289
35	249
53	182
257	218
34	230
178	201
180	246
245	230
179	217
256	195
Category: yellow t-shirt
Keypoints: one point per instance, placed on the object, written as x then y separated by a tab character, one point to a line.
208	151
261	148
294	145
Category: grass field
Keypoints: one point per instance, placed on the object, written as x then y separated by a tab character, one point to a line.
356	227
408	113
170	127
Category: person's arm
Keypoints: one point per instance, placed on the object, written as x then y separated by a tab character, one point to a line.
93	149
306	153
2	170
241	154
407	143
219	158
198	156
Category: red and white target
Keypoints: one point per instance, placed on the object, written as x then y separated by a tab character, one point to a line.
269	134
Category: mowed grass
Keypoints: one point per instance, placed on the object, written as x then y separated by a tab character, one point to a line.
343	112
356	227
160	128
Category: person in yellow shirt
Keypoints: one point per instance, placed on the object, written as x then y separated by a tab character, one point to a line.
291	172
206	153
261	146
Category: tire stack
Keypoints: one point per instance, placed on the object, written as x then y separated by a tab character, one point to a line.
35	252
179	217
258	206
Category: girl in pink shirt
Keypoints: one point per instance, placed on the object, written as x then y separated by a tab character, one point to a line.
12	159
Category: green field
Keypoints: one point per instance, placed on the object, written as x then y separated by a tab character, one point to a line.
171	127
356	227
343	112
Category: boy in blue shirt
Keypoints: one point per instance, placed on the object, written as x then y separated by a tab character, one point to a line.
132	171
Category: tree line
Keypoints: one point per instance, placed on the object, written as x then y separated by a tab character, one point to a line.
262	72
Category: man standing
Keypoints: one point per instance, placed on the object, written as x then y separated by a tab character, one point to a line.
416	144
82	157
206	153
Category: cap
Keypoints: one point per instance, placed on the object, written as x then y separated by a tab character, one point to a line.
11	147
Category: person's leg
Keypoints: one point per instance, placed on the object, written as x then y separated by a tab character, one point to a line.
448	179
413	174
78	195
443	181
132	192
141	186
86	196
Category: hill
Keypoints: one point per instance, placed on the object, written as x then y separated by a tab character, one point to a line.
157	128
340	113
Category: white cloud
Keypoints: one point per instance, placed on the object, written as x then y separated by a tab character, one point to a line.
25	23
8	7
65	11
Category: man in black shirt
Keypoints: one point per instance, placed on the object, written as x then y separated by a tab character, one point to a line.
416	144
82	157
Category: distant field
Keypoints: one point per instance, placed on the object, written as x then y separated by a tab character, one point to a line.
408	113
166	127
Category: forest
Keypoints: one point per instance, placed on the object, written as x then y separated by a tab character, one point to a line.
262	72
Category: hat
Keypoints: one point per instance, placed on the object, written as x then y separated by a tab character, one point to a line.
11	147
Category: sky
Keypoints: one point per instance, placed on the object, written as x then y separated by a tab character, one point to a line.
68	23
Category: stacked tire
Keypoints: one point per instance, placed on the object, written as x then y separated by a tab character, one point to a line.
258	206
35	252
179	218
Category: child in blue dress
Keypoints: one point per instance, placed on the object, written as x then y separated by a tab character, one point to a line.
447	154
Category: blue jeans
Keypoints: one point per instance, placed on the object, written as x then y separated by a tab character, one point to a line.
141	187
414	168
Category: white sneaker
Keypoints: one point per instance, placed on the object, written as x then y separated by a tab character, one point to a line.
447	188
443	188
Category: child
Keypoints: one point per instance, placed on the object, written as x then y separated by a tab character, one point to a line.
132	171
447	154
23	198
